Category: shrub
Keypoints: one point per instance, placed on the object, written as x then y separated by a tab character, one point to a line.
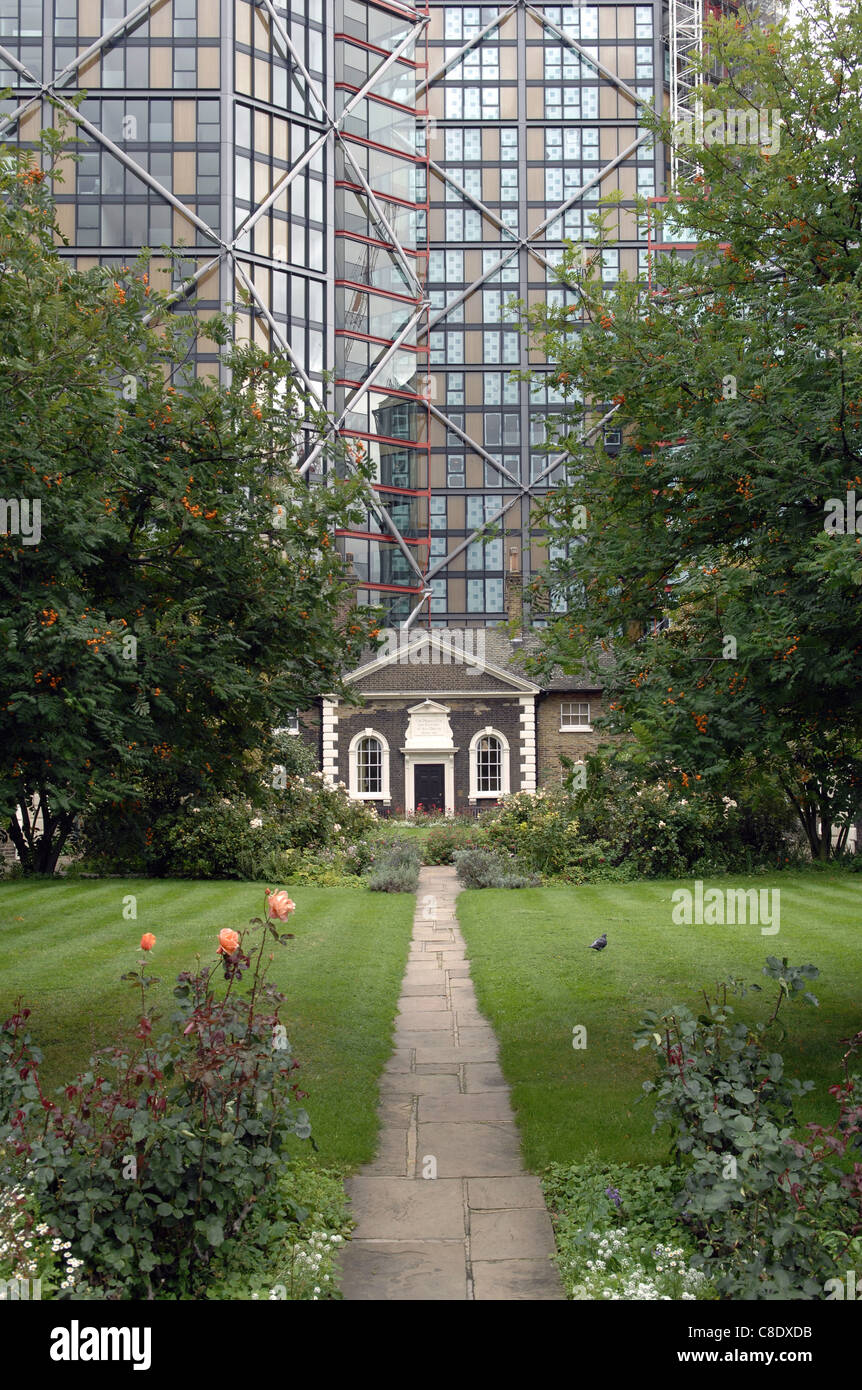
161	1161
756	1199
394	878
234	839
323	869
619	826
483	868
444	840
663	831
298	1266
592	862
540	828
396	868
618	1234
400	852
212	841
30	1251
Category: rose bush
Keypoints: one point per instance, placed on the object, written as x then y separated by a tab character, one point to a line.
772	1214
161	1162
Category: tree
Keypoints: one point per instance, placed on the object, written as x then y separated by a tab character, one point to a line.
730	507
169	589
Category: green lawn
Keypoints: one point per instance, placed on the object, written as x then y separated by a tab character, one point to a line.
63	947
536	980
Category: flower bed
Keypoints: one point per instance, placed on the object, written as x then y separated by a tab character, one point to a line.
158	1168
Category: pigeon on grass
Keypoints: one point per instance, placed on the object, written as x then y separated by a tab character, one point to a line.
600	942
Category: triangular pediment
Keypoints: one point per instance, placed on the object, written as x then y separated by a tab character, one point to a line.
454	661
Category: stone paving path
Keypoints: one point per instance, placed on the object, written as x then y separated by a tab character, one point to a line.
480	1228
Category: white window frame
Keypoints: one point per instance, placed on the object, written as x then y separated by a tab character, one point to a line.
353	764
505	782
566	724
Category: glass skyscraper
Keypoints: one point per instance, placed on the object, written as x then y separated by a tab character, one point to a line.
369	184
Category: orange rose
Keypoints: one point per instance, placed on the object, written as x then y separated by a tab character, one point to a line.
228	941
148	941
279	905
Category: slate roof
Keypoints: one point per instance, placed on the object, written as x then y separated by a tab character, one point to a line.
509	655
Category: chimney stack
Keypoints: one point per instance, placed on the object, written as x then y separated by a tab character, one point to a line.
514	591
347	601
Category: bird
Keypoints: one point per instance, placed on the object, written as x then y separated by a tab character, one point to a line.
600	942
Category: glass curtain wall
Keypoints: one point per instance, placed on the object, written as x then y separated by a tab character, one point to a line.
535	115
272	145
381	262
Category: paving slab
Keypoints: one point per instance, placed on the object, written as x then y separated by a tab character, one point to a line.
471	1150
442	1052
402	1209
468	1017
483	1076
484	1108
513	1280
391	1158
489	1194
401	1060
402	1271
429	989
396	1112
416	1084
481	1036
418	1029
510	1235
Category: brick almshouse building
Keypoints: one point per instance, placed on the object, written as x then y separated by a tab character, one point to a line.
450	720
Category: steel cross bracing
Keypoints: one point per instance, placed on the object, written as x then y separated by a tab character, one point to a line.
459	53
229	251
519	242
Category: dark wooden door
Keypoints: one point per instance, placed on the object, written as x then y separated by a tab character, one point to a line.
429	786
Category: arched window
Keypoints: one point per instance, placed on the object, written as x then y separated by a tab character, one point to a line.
489	765
369	766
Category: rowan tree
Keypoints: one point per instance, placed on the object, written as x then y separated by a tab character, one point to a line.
181	592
